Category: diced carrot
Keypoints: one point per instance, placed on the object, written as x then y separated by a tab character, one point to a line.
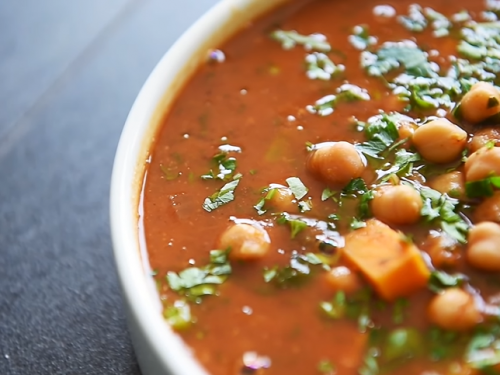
392	265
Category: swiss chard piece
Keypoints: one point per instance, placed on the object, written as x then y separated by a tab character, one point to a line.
221	197
178	315
297	272
195	282
290	39
444	210
482	188
441	280
319	66
297	187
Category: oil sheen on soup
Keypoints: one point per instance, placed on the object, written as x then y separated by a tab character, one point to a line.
323	197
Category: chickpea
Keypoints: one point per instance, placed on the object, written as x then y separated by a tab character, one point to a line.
343	279
443	250
440	141
246	241
400	204
483	251
483	137
454	309
337	162
483	163
452	183
282	199
480	103
489	209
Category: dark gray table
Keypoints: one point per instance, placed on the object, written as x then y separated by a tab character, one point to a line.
69	72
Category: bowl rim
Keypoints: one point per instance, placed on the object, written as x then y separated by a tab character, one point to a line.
144	308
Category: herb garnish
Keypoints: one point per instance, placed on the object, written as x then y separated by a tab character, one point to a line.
361	38
482	188
297	187
483	351
326	367
443	209
297	271
226	166
441	280
345	93
178	315
194	282
221	197
319	66
313	42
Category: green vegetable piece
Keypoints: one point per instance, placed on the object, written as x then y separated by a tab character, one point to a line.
326	367
336	308
178	316
399	309
361	38
483	352
440	280
298	189
403	343
290	39
482	188
327	194
370	365
319	66
222	197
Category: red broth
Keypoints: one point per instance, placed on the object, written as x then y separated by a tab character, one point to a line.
257	99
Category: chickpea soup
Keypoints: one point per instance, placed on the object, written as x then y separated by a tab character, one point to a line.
323	197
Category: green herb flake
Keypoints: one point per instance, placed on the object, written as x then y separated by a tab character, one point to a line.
226	166
327	194
168	173
290	39
403	343
398	312
370	365
194	282
178	315
361	38
483	351
326	367
222	197
357	224
319	66
440	280
415	20
482	188
298	189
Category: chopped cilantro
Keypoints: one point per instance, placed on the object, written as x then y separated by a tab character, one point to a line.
381	132
345	93
415	20
270	192
319	66
169	173
482	188
370	364
483	351
403	343
355	186
194	282
221	197
398	310
298	189
313	42
226	167
361	38
326	367
305	206
178	315
297	271
357	224
443	209
296	225
394	55
441	280
327	194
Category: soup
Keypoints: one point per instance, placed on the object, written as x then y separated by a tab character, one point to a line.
322	197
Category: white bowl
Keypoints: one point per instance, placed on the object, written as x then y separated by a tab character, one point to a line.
159	350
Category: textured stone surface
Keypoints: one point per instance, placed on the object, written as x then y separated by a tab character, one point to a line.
70	72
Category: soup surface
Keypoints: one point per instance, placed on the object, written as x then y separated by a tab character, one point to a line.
322	197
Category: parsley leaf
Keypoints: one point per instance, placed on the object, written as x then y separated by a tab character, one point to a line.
440	207
381	133
319	66
297	271
260	205
440	280
222	197
289	39
298	189
226	167
194	282
361	38
345	93
482	188
483	351
178	315
327	194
